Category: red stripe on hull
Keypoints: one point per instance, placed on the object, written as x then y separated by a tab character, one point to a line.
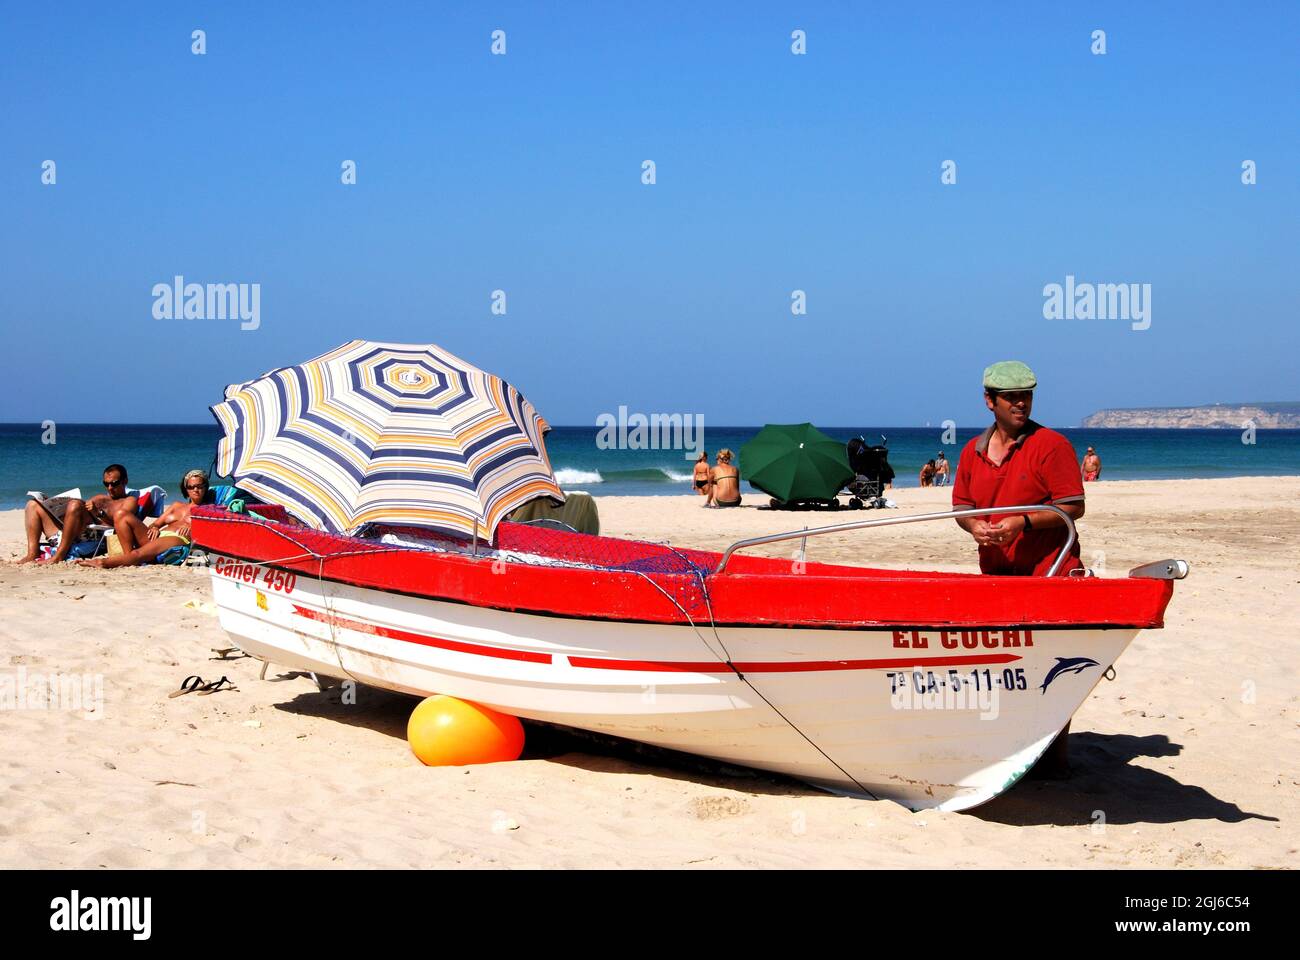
789	666
424	639
657	666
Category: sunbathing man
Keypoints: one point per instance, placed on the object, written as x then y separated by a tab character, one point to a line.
72	516
1019	462
142	542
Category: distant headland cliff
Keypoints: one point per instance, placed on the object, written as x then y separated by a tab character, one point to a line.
1231	416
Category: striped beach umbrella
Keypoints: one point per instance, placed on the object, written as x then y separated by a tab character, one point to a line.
386	432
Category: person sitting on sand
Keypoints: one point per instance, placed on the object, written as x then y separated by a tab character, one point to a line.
1091	468
144	542
702	482
941	470
71	516
927	474
724	488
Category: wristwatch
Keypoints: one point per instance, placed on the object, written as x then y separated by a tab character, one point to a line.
1028	525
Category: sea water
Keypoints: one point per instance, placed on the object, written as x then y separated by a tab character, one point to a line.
161	454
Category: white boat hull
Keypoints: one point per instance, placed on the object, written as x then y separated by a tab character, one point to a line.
949	725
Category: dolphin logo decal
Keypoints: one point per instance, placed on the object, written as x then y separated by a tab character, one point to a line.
1067	665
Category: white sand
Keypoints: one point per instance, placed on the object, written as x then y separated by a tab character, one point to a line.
1190	755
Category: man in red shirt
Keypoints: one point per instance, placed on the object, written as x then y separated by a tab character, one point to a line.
1012	463
1017	462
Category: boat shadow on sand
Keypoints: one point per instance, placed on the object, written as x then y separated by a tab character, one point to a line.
1103	777
386	712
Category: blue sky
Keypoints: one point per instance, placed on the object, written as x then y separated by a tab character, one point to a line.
775	172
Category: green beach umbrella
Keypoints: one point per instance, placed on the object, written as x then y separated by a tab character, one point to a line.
795	461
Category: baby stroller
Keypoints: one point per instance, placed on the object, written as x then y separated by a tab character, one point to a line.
871	472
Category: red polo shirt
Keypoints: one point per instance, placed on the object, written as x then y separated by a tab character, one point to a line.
1040	467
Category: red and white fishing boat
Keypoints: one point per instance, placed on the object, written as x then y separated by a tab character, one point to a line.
936	690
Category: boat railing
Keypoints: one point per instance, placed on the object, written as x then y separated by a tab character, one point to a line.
1070	535
550	523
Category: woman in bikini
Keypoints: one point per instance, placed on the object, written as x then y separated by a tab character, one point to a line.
724	491
702	483
143	543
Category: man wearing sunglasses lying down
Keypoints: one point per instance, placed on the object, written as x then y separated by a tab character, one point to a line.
71	515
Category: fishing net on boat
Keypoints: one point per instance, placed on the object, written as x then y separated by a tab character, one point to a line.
678	572
607	553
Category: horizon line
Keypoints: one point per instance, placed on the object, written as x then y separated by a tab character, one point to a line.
593	426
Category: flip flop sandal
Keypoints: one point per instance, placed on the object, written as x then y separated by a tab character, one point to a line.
188	685
223	684
224	653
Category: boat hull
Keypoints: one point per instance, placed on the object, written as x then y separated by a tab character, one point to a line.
927	717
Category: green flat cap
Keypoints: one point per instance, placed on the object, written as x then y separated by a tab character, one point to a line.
1009	375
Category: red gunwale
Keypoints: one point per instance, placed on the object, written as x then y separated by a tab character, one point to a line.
755	591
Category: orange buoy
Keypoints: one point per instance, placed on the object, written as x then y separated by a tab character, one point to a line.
446	732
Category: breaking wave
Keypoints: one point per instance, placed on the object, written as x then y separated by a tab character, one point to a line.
569	476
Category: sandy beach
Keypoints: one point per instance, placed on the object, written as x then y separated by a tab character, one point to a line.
1187	759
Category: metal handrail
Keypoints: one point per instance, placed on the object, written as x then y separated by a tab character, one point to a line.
1070	536
548	522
